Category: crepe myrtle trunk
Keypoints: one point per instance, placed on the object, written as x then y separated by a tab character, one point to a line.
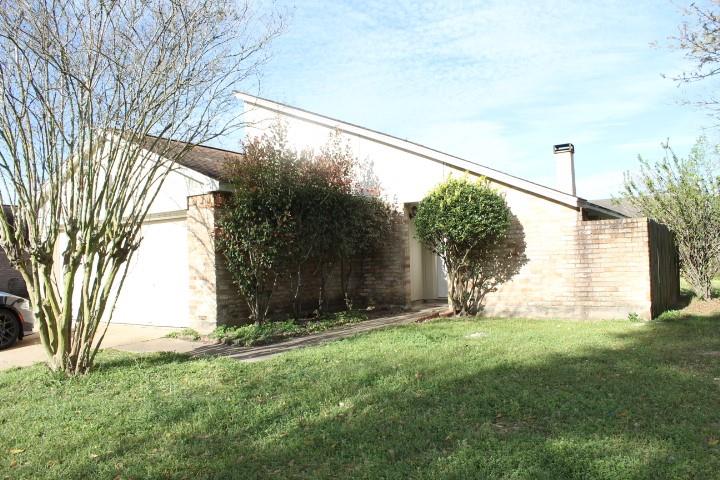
90	93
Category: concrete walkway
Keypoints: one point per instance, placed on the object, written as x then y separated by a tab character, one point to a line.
254	354
141	339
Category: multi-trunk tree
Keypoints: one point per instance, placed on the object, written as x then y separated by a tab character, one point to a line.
89	93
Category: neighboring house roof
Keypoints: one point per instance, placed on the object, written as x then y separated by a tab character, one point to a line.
209	161
426	152
619	205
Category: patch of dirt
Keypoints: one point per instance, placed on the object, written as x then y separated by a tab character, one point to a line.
705	308
478	335
504	426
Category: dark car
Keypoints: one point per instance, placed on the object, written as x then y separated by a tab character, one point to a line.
16	319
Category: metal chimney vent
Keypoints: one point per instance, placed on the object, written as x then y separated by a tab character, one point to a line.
563	148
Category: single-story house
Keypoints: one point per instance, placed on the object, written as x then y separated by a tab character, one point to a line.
580	260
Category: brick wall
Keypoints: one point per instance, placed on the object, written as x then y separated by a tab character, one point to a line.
213	299
593	270
570	268
381	279
385	276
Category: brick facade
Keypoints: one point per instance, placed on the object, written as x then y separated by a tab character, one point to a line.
594	270
571	268
213	298
380	280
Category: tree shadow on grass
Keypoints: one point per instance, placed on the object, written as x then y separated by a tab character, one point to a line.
595	413
637	404
117	360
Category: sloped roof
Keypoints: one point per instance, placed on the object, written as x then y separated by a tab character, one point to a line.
618	205
207	160
419	150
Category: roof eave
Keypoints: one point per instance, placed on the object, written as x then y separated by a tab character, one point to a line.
608	211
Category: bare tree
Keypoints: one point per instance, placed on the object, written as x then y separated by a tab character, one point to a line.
90	91
699	39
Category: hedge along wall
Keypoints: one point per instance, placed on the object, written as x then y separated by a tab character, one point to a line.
379	280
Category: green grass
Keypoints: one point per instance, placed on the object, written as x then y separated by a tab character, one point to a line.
521	400
185	334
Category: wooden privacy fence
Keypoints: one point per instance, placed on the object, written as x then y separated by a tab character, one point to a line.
664	269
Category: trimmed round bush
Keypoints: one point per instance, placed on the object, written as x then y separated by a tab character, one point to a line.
464	222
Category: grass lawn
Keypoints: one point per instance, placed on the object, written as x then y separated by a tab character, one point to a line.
520	400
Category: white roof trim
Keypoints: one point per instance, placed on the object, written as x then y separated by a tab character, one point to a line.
414	148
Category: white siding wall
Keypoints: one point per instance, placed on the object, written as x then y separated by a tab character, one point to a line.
404	176
178	185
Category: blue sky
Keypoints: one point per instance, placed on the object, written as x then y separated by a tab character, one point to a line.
496	82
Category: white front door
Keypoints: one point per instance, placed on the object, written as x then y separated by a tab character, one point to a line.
442	286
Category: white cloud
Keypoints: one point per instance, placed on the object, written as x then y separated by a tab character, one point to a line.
491	80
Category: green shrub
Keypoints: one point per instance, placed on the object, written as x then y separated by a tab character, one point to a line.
670	315
188	333
465	223
684	195
256	226
272	332
289	210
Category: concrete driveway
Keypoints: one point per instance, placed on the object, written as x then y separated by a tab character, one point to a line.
29	350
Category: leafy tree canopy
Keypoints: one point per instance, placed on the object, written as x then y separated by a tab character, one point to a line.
684	194
465	222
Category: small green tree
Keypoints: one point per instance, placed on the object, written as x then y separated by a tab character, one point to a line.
352	220
315	219
256	230
684	194
465	223
291	210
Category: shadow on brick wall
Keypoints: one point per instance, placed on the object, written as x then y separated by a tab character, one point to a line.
504	262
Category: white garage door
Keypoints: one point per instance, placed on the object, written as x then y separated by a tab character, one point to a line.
156	288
